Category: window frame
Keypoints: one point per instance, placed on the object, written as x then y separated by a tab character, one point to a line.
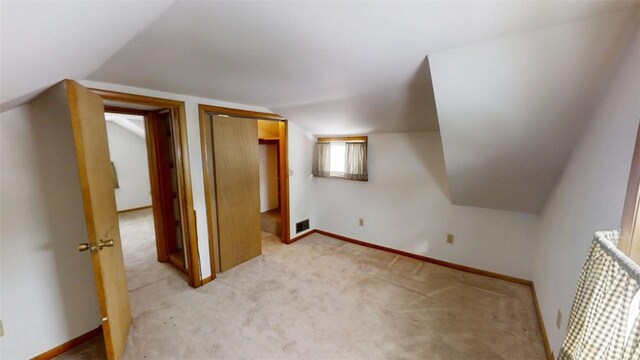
343	139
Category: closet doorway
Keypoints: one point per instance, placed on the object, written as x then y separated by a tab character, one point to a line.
245	167
270	181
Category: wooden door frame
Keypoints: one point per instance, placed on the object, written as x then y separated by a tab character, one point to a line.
283	145
159	210
183	171
158	218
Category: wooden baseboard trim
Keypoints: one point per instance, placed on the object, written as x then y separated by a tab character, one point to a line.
468	269
134	209
302	236
430	260
543	330
176	259
69	344
207	280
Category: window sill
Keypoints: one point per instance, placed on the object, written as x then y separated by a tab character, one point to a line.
338	177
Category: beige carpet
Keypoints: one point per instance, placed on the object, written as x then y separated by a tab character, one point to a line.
270	222
321	298
139	247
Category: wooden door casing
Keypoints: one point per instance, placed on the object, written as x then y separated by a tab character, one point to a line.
165	165
188	213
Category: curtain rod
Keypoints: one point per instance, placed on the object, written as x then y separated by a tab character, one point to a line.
351	139
605	240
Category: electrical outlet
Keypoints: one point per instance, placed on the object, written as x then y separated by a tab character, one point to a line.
559	319
449	238
361	222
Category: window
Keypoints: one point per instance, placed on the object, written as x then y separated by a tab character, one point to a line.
342	157
337	158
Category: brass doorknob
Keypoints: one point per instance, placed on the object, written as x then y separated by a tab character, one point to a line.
105	243
87	246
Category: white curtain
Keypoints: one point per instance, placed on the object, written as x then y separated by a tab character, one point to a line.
321	164
598	320
356	162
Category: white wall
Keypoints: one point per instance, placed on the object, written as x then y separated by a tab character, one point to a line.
302	199
129	155
405	206
48	289
268	159
195	153
590	194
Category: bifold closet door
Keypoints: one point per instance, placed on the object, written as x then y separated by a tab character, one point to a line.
237	188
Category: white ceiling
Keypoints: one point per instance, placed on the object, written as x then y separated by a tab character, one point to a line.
409	107
513	80
512	109
42	43
321	62
131	123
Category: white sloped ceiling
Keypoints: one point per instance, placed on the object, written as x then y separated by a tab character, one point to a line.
512	109
331	67
43	42
509	84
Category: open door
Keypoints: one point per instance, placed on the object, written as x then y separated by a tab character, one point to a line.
96	179
237	179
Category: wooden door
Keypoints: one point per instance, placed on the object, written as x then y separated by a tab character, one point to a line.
96	179
237	179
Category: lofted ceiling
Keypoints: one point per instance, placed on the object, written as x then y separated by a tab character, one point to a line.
508	83
405	108
512	109
329	66
45	42
131	123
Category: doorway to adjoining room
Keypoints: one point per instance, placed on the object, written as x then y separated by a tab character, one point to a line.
145	147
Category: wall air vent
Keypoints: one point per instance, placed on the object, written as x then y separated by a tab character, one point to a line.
302	226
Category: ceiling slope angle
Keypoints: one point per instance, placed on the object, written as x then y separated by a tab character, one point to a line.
406	108
44	42
331	67
134	124
512	109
